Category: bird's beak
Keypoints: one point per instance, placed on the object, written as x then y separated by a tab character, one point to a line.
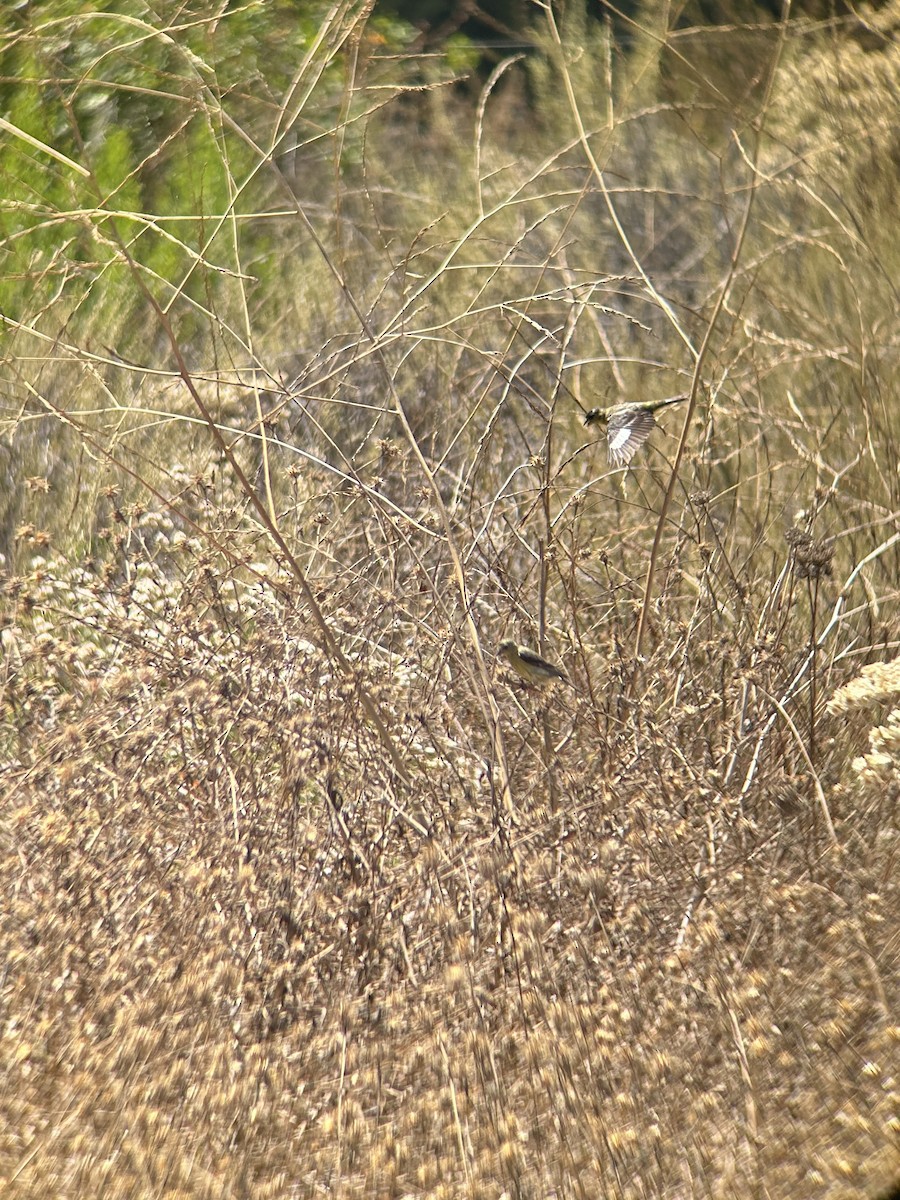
592	416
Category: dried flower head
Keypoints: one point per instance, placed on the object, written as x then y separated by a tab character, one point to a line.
874	684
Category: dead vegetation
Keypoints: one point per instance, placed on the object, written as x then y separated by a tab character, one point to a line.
303	893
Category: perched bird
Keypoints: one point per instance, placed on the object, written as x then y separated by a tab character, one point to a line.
627	426
530	665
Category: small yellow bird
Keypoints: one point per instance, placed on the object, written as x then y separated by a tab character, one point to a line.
530	665
628	426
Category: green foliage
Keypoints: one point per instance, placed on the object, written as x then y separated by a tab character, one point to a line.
134	100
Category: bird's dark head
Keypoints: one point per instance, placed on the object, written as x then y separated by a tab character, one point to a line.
595	416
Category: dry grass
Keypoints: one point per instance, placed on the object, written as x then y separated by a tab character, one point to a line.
303	893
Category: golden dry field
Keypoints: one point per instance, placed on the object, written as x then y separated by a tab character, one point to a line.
303	891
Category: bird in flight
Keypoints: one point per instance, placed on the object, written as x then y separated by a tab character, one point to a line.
530	665
628	426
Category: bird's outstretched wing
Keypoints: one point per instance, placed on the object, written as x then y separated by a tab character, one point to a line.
626	432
